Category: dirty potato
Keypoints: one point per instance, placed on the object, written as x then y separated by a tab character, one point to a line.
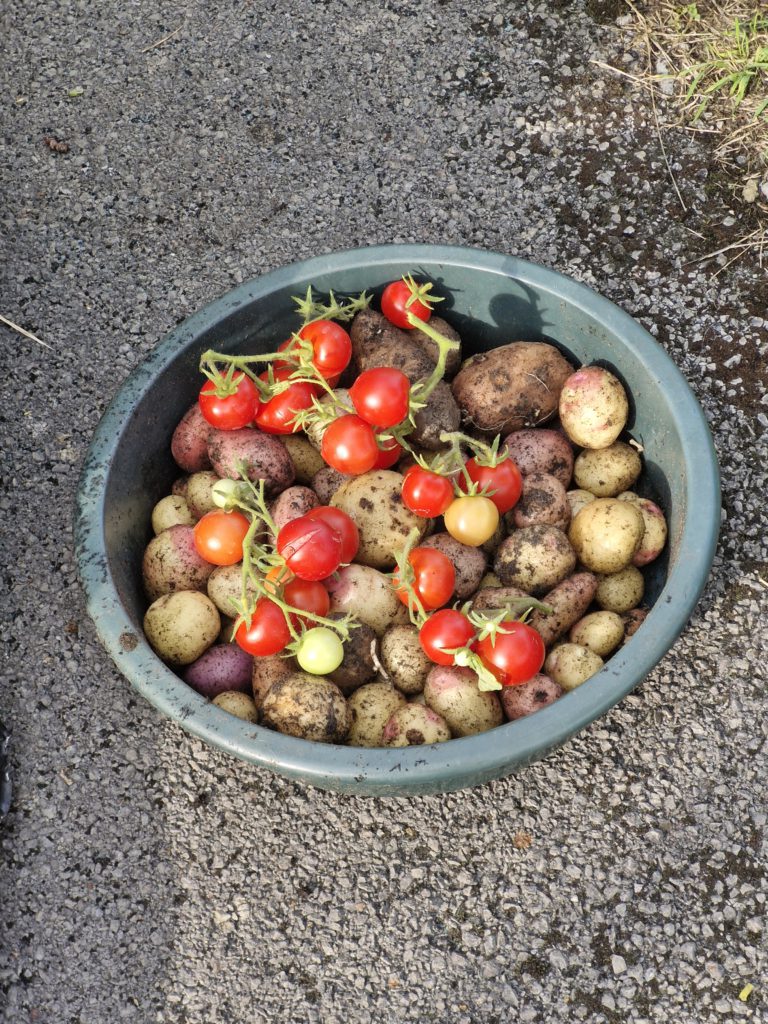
370	709
593	407
309	707
621	591
414	725
569	665
171	511
403	658
306	459
535	559
171	562
542	503
541	451
452	692
606	472
527	698
181	626
368	594
601	632
372	501
468	563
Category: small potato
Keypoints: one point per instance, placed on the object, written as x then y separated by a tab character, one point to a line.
453	362
621	591
440	413
633	620
200	493
577	499
542	503
266	671
171	562
238	704
326	482
569	601
306	706
655	532
601	632
536	559
265	456
593	407
452	692
414	725
171	511
541	451
359	664
222	667
368	594
372	501
181	626
370	709
225	587
403	658
291	504
527	698
468	563
569	665
378	342
496	597
606	472
189	445
606	534
306	459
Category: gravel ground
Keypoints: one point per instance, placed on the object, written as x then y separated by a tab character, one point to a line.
148	878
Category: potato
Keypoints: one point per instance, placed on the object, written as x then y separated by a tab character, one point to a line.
655	529
541	451
414	725
200	493
491	546
171	562
222	667
238	704
291	504
468	563
536	559
266	671
593	407
529	697
606	534
189	444
171	511
368	594
633	620
621	591
606	472
227	631
370	709
569	601
569	665
452	692
403	658
601	632
306	459
542	503
179	486
440	413
326	482
377	342
359	664
372	501
577	499
309	707
265	456
181	626
511	387
496	597
453	362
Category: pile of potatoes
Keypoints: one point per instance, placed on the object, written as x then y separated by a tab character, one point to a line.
577	540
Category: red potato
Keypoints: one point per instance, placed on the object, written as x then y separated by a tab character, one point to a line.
537	693
452	692
542	503
189	445
569	602
541	450
223	667
496	597
593	407
171	562
413	726
266	458
368	594
468	563
326	482
291	504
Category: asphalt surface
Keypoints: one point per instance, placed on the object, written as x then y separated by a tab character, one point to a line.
148	878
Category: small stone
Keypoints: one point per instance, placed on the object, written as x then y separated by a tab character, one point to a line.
619	964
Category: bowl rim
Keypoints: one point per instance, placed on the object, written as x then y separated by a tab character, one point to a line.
439	767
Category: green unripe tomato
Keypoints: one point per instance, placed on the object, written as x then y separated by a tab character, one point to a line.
320	651
224	491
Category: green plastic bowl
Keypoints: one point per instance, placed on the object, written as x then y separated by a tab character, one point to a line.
491	299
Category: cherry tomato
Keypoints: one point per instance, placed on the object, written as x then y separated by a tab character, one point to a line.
393	300
434	580
276	415
277	577
380	396
505	480
320	651
472	520
331	345
307	596
389	454
233	412
268	632
310	547
219	537
515	655
343	525
426	494
443	631
349	445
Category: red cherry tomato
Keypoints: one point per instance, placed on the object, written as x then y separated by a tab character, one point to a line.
310	547
342	524
276	415
434	580
389	454
426	494
233	412
307	596
349	445
516	654
268	632
393	301
505	480
380	396
219	536
443	631
331	345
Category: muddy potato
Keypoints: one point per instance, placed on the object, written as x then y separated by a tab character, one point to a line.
222	667
403	658
370	709
569	602
655	528
265	456
452	692
225	587
291	504
569	665
306	459
414	725
179	486
171	511
542	503
606	472
306	706
468	563
326	482
633	620
577	499
359	664
372	501
181	626
171	562
453	362
497	597
606	534
266	671
491	546
238	704
541	451
440	413
377	342
535	559
368	594
200	493
621	591
593	407
601	632
189	444
527	698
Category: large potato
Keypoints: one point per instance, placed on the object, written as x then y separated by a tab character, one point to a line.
606	533
468	563
414	725
368	594
182	626
266	671
452	692
403	658
542	503
264	455
306	706
377	342
541	451
372	501
171	562
535	559
606	472
511	387
189	444
569	665
593	407
370	709
453	362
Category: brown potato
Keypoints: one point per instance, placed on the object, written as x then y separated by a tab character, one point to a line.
453	362
536	559
569	601
570	665
266	671
541	451
403	658
440	413
542	503
621	591
655	529
189	444
468	563
377	342
309	707
238	704
265	456
601	632
225	587
359	664
496	597
372	501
